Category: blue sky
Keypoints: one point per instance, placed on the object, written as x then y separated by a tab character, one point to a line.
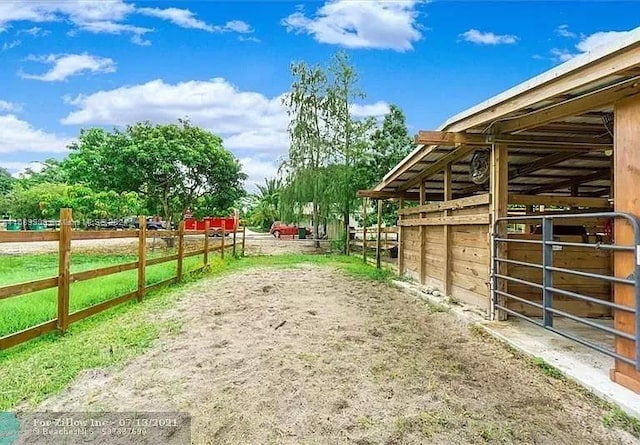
69	64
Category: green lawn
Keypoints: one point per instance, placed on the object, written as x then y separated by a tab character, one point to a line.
18	313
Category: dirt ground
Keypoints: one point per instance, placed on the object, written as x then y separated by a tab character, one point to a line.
311	356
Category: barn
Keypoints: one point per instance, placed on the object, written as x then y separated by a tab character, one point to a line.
527	204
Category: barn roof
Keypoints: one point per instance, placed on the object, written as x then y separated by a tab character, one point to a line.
557	125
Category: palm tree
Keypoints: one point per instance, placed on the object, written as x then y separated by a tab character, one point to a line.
267	207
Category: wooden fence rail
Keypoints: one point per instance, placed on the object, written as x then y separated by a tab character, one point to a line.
65	278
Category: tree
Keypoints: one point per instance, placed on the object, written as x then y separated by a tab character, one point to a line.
266	204
390	143
326	141
6	186
51	173
171	167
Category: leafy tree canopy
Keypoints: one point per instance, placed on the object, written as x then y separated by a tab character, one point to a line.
171	167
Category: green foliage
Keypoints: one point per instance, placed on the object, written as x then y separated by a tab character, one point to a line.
50	173
266	204
618	418
6	186
171	167
44	201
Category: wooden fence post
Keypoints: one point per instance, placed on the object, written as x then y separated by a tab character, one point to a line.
364	230
64	264
206	243
234	241
379	237
142	256
244	234
180	250
223	237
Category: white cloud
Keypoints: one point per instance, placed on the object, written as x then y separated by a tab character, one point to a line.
67	65
561	55
488	38
374	24
6	46
563	31
10	106
378	109
257	171
17	135
104	16
599	38
587	43
35	31
252	125
236	26
181	17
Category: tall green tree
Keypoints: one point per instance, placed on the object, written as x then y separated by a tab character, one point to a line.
171	167
266	203
309	150
6	186
50	172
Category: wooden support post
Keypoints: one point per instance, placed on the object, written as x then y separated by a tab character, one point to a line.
233	252
499	201
205	260
423	236
627	177
446	236
244	235
64	264
224	235
364	230
379	237
180	251
400	240
142	256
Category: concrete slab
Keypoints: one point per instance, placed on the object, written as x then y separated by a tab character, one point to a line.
587	367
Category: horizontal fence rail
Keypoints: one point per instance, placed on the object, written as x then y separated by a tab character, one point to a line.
65	278
548	245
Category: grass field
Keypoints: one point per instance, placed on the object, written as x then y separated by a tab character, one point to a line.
18	313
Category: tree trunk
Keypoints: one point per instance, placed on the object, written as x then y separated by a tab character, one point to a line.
316	225
347	231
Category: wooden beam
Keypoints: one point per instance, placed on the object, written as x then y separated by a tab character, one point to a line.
450	220
627	178
364	230
601	174
379	235
569	201
452	204
540	164
571	107
579	143
400	240
437	166
423	237
406	164
499	205
374	194
446	234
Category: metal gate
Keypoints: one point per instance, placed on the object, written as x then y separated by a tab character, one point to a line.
548	244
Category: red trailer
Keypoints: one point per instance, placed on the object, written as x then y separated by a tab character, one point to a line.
216	224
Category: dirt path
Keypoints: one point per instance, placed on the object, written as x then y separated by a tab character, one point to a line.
356	362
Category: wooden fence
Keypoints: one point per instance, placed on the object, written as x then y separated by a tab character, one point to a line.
64	236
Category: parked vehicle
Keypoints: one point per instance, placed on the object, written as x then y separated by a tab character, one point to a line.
216	224
279	229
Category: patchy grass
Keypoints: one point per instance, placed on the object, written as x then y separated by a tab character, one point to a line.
548	369
617	417
113	336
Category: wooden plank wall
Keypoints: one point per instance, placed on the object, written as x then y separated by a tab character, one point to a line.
469	248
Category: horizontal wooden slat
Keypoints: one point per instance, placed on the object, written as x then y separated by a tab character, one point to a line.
25	288
167	282
22	336
194	253
96	308
193	232
569	201
103	234
452	204
95	273
447	220
27	236
161	233
164	259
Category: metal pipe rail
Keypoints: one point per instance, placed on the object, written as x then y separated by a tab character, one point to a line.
547	244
